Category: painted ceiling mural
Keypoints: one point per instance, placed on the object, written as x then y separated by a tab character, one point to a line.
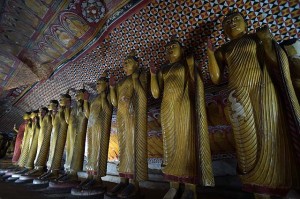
50	46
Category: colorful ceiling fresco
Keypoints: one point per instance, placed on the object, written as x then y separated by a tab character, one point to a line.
75	45
40	35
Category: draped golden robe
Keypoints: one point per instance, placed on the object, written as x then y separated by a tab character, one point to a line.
98	134
266	159
43	142
58	140
79	140
187	156
33	145
132	128
25	144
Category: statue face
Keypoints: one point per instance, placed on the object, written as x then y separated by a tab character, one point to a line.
101	86
51	106
234	26
26	116
130	66
33	115
79	95
63	101
173	51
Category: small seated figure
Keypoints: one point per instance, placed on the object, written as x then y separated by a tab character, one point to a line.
129	96
184	123
98	134
260	100
58	140
75	144
45	115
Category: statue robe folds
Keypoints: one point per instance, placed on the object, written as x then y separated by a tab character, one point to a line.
33	145
181	110
19	139
98	134
132	128
258	115
43	142
78	140
58	140
26	144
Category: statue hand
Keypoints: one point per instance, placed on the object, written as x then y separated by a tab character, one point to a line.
112	81
135	75
264	33
86	96
153	69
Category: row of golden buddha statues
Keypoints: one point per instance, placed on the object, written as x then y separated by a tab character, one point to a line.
262	106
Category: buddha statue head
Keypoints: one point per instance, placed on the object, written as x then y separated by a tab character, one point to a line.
26	116
79	96
101	84
131	63
42	111
65	99
174	50
53	105
34	114
234	25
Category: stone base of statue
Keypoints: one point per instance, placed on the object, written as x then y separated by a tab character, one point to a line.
32	174
8	169
19	181
11	179
5	177
89	187
46	178
123	190
19	173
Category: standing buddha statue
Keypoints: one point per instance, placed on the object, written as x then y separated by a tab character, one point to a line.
75	144
184	124
99	115
129	96
20	135
45	115
58	140
262	107
32	138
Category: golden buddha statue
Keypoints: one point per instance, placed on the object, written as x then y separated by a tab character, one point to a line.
58	140
99	115
45	115
181	110
292	49
260	100
20	135
75	144
32	134
25	146
129	96
34	140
